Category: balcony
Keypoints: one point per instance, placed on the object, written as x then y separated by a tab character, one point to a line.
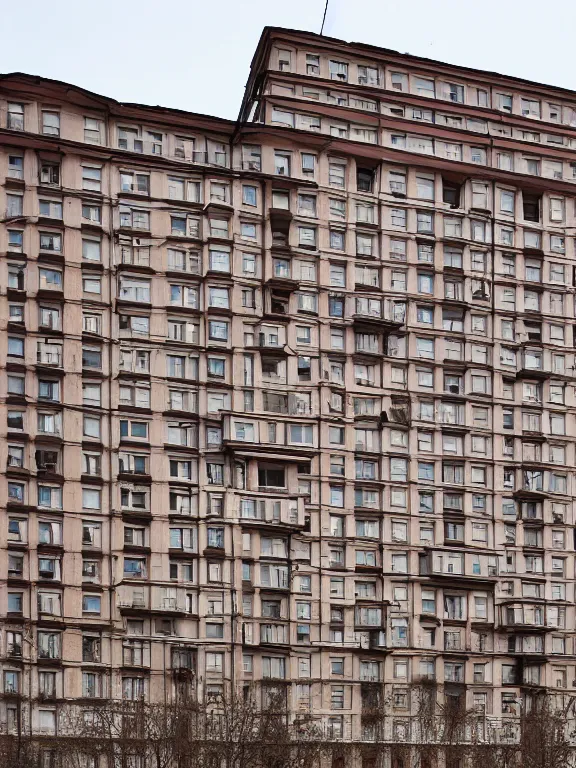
251	437
129	599
51	358
258	510
155	600
280	219
277	302
173	603
458	567
183	660
284	283
287	405
271	339
524	616
390	315
377	640
369	619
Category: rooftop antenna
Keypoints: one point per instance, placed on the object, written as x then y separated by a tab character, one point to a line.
324	17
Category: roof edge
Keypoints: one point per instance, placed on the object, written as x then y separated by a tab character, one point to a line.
269	31
109	101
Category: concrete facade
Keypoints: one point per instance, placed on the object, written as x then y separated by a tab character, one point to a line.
289	401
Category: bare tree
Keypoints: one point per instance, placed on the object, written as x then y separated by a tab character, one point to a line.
233	732
238	730
544	736
18	752
121	733
228	731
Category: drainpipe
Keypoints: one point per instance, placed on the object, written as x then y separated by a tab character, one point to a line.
112	266
234	613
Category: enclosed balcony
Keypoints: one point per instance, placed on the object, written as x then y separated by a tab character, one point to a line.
378	313
269	512
458	567
534	616
290	442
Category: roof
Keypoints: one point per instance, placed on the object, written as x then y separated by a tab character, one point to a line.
268	32
106	102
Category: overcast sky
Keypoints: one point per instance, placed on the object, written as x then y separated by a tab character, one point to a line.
195	54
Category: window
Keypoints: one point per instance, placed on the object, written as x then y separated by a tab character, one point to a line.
338	70
425	187
15	602
133	218
424	87
91	285
425	348
50	123
282	162
15	346
425	282
399	81
456	93
15	116
282	117
14	206
91	178
337	175
93	131
307	237
16	245
91	604
133	689
530	108
15	166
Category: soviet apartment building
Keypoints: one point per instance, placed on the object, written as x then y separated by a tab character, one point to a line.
289	400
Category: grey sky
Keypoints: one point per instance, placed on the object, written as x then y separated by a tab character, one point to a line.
195	54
